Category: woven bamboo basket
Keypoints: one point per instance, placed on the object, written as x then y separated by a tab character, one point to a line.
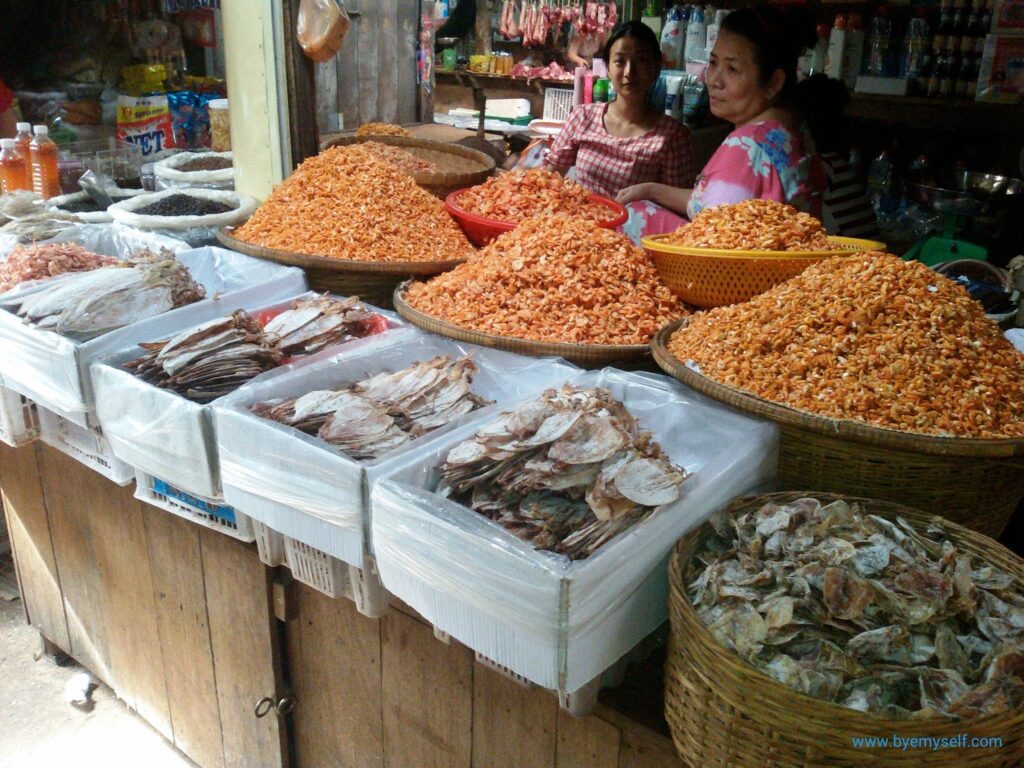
724	713
458	166
625	356
371	281
975	482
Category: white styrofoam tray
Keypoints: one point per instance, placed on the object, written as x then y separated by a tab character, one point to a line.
54	371
559	623
303	487
162	433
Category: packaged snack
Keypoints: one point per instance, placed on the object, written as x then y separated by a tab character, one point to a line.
145	121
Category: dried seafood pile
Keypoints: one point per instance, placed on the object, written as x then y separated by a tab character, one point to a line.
208	361
520	195
38	262
86	305
41	225
347	203
759	225
555	279
383	129
214	359
377	415
867	337
310	325
861	611
566	472
401	159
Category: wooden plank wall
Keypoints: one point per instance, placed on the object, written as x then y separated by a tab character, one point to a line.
373	77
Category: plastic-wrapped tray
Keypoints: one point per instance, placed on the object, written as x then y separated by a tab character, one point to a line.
557	623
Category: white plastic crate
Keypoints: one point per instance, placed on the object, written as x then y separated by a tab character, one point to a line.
557	103
212	513
19	418
85	444
336	578
269	544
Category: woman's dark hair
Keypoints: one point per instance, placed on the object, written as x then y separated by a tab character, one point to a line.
640	32
820	100
778	37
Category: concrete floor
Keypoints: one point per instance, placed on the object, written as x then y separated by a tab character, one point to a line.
39	727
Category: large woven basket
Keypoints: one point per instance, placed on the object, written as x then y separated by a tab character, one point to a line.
724	713
708	277
458	166
975	482
371	281
625	356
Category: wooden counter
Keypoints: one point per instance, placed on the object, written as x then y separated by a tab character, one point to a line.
191	631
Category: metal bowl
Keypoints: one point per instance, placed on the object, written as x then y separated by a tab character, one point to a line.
975	194
991	184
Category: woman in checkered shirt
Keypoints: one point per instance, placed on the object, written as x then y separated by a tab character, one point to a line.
628	141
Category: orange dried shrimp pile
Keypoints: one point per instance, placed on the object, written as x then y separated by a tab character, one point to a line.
38	262
403	160
348	204
554	278
756	225
520	195
383	129
867	337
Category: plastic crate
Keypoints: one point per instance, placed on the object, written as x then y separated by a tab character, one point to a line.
19	418
87	445
211	513
557	103
315	568
269	544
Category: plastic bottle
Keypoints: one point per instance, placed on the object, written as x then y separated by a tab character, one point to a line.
588	87
713	29
43	155
672	40
881	184
836	46
13	169
853	53
915	52
879	42
577	86
696	36
22	140
600	92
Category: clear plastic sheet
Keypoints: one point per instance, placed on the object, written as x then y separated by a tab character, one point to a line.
557	622
300	474
54	370
1016	337
160	432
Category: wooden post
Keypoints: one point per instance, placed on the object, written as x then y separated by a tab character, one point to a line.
300	74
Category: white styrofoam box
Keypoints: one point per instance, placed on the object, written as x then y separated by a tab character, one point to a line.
54	371
510	108
311	491
19	418
84	444
161	432
269	544
206	512
559	623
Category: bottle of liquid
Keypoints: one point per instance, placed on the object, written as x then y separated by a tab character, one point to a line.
853	54
13	168
915	55
881	184
588	87
836	46
696	36
600	92
820	55
22	140
672	40
879	42
43	154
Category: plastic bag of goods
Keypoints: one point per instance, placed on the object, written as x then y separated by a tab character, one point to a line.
204	170
192	215
321	27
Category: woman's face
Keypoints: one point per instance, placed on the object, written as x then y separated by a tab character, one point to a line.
632	68
734	80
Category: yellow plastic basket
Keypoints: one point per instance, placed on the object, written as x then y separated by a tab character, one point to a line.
708	277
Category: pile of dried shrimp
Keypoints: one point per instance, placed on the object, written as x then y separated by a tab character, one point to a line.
38	262
383	129
520	195
756	225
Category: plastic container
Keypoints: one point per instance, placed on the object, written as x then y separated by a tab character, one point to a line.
13	170
84	444
481	230
22	141
210	513
672	38
43	158
19	418
696	36
601	90
220	125
879	43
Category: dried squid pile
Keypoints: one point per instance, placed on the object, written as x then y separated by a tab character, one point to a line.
347	203
554	279
519	195
372	417
208	361
858	610
38	262
383	129
215	358
566	472
867	337
85	305
401	159
759	225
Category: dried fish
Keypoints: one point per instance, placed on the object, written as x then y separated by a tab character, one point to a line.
862	611
566	472
310	325
372	417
